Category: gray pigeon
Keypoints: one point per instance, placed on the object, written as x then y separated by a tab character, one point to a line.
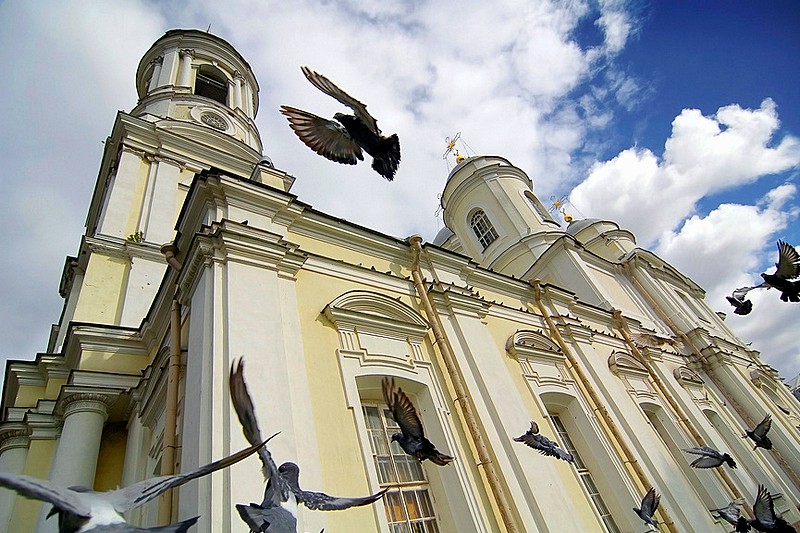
343	141
649	505
83	510
411	437
759	434
765	517
542	444
709	457
319	501
731	513
277	513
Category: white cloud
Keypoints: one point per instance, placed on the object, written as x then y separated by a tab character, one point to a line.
703	155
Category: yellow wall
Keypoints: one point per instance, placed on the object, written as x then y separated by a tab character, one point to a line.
26	511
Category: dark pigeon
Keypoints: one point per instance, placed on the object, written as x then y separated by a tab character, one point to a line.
765	517
759	434
411	437
344	141
786	269
83	510
277	513
741	305
710	458
545	446
648	507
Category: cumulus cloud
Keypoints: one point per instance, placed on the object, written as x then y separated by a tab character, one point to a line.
704	155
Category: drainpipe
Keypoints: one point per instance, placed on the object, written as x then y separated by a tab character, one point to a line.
622	326
707	368
168	446
596	404
462	397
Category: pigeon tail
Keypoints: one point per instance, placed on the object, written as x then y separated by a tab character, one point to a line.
441	459
742	525
180	527
387	157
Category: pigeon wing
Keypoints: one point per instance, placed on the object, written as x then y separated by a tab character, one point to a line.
788	265
40	489
325	137
650	502
763	508
402	410
706	462
243	405
762	428
331	89
140	493
319	501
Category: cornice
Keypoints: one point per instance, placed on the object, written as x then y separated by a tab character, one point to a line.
460	300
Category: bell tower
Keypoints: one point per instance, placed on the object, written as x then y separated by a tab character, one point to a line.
490	207
198	99
197	77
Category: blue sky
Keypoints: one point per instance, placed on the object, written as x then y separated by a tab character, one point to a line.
679	120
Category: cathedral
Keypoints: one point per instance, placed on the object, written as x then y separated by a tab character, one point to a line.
196	254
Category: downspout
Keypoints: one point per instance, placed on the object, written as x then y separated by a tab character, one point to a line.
596	404
168	446
707	368
622	326
462	398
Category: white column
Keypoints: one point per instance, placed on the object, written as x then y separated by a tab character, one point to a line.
75	461
237	90
157	63
13	454
185	79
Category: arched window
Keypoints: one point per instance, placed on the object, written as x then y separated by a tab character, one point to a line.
483	228
211	83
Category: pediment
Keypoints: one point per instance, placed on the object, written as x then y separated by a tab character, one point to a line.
686	376
624	363
368	310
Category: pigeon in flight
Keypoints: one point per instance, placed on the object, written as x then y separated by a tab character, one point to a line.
319	501
765	517
759	434
649	505
82	510
787	268
344	141
710	458
277	513
741	305
732	514
411	437
545	446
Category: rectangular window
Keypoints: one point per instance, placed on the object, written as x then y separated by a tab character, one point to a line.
409	507
585	477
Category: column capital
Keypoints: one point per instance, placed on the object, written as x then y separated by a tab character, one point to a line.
14	435
81	402
158	60
186	52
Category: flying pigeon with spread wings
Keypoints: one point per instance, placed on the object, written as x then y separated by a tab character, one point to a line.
787	269
542	444
765	517
277	513
411	437
343	141
709	457
648	507
759	434
85	511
